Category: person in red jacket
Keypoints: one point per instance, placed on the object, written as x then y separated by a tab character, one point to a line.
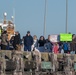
55	48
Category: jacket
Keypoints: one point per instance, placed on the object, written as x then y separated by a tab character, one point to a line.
28	40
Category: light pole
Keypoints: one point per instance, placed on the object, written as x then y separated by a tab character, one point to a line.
44	30
66	17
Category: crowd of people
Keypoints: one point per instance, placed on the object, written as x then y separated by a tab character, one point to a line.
29	43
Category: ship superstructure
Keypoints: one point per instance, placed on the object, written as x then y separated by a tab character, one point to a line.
8	25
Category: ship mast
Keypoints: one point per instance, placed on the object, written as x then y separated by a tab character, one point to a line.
5	14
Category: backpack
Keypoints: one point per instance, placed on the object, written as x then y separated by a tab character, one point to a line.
65	46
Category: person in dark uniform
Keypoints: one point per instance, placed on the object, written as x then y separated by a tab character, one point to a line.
28	41
16	40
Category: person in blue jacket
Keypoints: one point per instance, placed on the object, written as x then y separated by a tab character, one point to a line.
65	47
28	41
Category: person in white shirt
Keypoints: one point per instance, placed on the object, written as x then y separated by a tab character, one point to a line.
35	41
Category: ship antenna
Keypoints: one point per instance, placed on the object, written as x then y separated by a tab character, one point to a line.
14	17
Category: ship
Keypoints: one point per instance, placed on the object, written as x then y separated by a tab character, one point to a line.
8	25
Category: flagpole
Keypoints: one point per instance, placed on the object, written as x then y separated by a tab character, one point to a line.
45	9
66	16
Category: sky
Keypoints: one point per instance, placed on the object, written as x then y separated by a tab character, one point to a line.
29	15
